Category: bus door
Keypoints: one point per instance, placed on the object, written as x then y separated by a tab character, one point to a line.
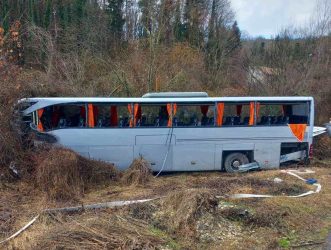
193	125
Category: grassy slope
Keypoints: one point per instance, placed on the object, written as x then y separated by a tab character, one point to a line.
233	224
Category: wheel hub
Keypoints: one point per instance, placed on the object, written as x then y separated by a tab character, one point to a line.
236	163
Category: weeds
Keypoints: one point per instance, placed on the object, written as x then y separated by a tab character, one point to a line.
63	175
139	173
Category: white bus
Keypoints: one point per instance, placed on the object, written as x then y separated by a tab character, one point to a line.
177	131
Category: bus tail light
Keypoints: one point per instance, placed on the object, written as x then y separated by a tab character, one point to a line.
311	151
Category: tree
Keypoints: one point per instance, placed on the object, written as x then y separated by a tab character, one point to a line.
147	8
114	10
179	27
165	23
221	36
195	14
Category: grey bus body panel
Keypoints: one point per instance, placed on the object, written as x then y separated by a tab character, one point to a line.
191	148
177	148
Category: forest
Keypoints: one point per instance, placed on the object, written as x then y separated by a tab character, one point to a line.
130	47
126	48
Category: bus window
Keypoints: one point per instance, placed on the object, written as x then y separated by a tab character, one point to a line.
152	116
299	113
107	115
269	114
63	116
282	114
236	114
194	115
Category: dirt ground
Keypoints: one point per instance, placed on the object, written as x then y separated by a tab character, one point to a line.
193	211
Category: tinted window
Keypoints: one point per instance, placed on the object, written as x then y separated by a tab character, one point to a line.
111	115
236	114
152	116
271	114
194	115
62	116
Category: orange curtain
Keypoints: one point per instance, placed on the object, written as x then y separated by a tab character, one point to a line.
90	116
174	107
239	109
113	116
169	110
137	113
298	130
220	112
40	125
130	112
251	113
257	110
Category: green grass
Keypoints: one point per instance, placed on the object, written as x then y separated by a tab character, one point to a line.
284	242
171	243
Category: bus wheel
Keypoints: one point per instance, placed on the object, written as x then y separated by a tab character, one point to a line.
233	161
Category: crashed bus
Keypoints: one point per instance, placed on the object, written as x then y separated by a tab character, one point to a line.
176	131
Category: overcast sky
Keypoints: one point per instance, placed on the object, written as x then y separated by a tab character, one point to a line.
267	17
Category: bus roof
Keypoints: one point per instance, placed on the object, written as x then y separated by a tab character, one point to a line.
41	102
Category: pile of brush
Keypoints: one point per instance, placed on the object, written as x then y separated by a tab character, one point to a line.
139	173
322	147
64	175
180	210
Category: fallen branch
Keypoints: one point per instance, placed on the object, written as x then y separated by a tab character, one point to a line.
111	204
21	230
308	244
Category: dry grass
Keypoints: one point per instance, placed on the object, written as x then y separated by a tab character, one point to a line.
322	147
139	173
64	175
103	231
190	216
180	210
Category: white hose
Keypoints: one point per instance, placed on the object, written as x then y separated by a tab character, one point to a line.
290	172
168	149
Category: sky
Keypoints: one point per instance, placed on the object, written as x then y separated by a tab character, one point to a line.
267	17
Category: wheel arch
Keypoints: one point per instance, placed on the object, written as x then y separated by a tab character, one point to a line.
248	153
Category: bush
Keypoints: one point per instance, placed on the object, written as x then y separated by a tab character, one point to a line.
64	175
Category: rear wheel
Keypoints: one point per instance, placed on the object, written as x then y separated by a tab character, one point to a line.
233	161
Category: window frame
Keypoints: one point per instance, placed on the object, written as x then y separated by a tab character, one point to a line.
180	103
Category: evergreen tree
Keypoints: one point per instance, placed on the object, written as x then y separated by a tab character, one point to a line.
48	14
146	23
114	10
235	33
179	28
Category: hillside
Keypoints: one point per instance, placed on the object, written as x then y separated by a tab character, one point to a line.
126	49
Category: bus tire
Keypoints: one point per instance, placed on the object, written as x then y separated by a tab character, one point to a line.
233	161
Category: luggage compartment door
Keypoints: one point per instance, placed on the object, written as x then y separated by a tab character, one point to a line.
193	157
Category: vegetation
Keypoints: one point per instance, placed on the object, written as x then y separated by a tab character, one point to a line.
128	48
